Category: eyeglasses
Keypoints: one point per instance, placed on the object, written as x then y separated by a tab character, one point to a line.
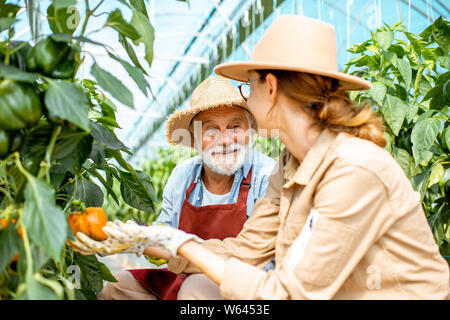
244	88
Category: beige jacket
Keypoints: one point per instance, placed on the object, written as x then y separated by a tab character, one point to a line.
345	224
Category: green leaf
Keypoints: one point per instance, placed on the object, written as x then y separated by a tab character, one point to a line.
108	187
107	121
117	22
398	50
405	70
384	39
85	294
415	42
134	194
358	60
441	34
14	73
378	92
446	92
426	33
424	87
436	174
9	245
394	111
98	155
135	73
444	61
143	25
423	135
38	291
404	160
105	273
391	57
445	141
45	222
447	234
64	100
130	51
433	93
114	86
74	161
90	276
411	111
82	152
420	181
66	143
140	6
437	226
359	47
8	10
6	23
87	191
57	175
106	137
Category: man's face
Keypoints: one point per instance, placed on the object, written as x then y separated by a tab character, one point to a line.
224	138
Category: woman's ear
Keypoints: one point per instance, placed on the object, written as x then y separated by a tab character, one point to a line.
272	87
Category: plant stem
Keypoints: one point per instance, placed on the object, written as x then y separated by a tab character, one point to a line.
48	154
20	167
88	13
55	286
83	171
26	244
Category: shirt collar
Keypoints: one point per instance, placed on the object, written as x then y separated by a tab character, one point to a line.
301	173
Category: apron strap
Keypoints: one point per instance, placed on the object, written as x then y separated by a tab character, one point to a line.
245	186
189	190
243	191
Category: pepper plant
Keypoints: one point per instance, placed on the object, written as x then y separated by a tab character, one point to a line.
411	92
58	148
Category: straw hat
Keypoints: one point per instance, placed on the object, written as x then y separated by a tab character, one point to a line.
213	92
295	43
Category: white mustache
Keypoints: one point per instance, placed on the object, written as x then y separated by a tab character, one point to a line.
224	150
227	164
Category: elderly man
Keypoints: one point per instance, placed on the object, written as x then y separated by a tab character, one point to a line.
210	195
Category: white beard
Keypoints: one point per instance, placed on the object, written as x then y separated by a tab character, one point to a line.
225	164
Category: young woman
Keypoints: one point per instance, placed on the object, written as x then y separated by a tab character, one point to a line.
340	219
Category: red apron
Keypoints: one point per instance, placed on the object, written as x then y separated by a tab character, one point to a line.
212	221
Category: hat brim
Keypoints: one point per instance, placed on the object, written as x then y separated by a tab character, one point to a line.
239	71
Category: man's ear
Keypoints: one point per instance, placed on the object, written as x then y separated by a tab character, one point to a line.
272	87
196	134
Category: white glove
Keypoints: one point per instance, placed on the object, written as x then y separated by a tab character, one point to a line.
87	246
162	236
130	237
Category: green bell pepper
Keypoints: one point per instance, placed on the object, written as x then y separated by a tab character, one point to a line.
20	106
67	68
53	58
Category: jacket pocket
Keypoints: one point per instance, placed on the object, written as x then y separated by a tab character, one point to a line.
322	250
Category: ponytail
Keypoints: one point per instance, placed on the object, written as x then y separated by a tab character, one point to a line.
330	106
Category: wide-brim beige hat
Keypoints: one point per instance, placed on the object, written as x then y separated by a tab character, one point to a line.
213	92
295	43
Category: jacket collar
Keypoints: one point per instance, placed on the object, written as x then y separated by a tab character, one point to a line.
301	173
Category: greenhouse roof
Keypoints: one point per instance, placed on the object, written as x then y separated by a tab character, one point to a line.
190	38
